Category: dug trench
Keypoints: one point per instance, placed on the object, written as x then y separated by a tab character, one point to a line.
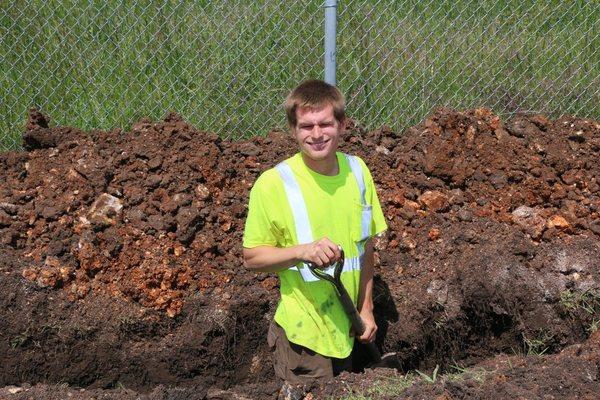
121	267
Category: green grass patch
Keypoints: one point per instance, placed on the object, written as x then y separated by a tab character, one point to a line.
538	344
429	378
19	340
586	301
389	386
397	385
462	374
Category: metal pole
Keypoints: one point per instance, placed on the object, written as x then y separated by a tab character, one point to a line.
330	33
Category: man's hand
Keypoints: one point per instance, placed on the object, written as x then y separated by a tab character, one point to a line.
370	327
322	252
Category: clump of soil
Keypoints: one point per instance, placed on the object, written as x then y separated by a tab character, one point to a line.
122	261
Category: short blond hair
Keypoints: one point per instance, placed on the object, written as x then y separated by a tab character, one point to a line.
314	93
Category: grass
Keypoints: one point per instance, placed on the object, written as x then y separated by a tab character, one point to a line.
389	386
19	340
227	66
396	386
429	379
461	374
535	346
586	301
538	344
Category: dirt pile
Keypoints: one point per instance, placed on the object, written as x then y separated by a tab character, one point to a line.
494	230
493	246
148	215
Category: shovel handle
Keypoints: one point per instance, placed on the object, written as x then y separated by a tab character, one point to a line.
357	322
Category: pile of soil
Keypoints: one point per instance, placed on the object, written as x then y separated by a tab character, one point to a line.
122	272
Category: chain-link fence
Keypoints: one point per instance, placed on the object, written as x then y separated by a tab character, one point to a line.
226	66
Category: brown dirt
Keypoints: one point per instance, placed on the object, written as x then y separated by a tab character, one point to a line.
121	269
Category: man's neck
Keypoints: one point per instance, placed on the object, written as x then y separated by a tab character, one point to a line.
328	167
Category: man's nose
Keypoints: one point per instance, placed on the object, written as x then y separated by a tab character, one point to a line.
317	131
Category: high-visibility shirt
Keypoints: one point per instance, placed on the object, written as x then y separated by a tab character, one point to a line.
335	207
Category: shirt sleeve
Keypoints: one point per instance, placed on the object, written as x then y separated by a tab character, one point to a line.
378	223
260	228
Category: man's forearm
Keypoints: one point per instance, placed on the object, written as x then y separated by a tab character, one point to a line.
270	258
365	294
321	252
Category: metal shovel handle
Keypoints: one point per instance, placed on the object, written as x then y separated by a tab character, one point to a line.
357	323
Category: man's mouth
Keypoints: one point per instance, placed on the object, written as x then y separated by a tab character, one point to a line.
318	144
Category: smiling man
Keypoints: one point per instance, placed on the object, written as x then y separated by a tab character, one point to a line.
304	210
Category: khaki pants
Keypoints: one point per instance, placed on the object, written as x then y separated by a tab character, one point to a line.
298	365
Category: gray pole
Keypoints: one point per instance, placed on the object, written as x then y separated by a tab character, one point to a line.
330	32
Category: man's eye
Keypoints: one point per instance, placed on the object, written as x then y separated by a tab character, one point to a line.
326	124
307	127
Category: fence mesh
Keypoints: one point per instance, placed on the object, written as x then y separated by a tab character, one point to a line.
226	66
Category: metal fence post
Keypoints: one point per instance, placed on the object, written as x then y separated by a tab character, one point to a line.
330	33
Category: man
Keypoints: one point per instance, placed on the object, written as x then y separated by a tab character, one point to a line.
303	211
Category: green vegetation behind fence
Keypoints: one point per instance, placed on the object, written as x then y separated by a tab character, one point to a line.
227	66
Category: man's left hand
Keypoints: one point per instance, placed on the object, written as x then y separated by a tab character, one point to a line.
370	326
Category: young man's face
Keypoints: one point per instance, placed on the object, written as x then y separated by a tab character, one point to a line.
317	132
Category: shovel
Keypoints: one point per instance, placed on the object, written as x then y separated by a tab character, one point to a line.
389	360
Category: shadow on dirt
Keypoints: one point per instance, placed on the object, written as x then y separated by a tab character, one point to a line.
47	338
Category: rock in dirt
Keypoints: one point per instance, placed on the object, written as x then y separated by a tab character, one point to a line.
189	220
104	211
434	201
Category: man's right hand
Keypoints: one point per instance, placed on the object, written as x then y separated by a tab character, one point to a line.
322	252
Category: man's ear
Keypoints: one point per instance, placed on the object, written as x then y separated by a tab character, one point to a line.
292	130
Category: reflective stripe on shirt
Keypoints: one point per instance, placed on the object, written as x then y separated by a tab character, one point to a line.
300	215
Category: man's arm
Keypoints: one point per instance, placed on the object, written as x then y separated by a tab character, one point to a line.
270	258
365	294
322	252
